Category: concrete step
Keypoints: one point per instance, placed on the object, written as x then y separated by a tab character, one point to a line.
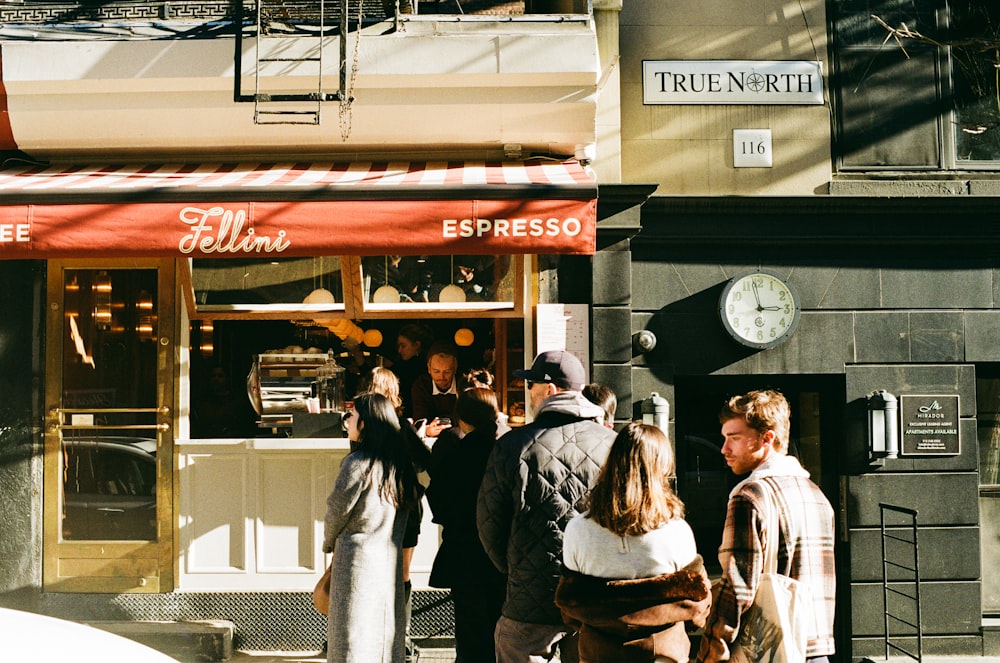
991	636
210	640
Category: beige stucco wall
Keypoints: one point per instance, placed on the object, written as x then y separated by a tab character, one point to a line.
437	90
688	149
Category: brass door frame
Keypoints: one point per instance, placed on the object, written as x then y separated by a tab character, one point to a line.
109	566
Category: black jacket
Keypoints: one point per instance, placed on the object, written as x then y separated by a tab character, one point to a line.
456	470
535	482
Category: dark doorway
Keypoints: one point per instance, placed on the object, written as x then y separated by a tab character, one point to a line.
704	480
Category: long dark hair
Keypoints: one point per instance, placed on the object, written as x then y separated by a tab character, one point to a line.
632	494
380	439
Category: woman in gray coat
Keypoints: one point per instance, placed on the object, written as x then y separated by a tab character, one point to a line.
375	492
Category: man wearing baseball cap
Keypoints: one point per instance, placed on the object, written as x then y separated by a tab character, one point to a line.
536	480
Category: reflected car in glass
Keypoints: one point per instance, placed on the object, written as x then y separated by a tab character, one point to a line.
109	489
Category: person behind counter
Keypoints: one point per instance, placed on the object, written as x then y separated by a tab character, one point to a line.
412	342
435	393
374	495
461	564
634	530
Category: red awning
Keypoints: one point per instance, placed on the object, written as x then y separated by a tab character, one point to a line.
302	209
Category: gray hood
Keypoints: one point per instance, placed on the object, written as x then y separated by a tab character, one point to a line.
573	403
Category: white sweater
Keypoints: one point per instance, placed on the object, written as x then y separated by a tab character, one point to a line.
590	549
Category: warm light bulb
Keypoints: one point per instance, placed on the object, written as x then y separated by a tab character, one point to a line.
451	294
319	296
464	337
373	338
386	295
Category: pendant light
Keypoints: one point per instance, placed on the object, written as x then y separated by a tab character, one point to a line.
386	294
452	293
319	295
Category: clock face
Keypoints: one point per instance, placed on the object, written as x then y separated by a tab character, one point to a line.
759	310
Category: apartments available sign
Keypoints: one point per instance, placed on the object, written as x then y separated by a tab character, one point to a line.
929	425
732	82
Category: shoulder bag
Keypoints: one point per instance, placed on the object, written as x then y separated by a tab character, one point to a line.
776	627
321	593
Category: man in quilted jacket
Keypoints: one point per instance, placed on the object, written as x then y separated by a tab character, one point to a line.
536	479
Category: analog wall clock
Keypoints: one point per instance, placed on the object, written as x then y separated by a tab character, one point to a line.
759	309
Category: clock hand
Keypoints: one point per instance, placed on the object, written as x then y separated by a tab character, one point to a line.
769	308
756	295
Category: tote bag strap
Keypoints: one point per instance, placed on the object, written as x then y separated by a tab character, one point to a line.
773	527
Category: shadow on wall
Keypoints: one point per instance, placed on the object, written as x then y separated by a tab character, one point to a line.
690	337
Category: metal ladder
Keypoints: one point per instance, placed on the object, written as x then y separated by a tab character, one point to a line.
902	538
277	53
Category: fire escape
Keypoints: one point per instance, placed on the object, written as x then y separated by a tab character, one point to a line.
289	44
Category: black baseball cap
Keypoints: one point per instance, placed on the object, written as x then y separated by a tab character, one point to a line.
559	367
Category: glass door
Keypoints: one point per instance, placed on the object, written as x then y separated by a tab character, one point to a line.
108	439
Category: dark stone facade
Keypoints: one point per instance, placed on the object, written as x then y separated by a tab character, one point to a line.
901	295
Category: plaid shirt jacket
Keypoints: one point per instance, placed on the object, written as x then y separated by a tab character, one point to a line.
806	542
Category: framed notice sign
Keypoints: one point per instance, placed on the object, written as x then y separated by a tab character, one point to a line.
929	425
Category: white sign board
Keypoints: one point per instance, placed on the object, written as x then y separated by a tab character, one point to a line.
752	148
564	327
732	82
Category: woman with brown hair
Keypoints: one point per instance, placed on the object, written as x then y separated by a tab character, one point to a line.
381	380
632	576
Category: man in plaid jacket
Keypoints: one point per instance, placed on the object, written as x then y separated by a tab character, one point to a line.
755	428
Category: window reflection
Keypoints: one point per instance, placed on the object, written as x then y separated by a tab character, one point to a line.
393	279
109	380
315	280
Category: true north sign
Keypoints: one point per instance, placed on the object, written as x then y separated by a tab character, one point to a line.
731	82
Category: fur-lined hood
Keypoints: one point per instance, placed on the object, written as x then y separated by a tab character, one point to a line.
635	620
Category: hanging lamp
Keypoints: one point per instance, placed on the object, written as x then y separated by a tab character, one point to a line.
386	294
452	293
319	295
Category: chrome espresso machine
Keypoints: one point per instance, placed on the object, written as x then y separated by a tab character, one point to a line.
298	393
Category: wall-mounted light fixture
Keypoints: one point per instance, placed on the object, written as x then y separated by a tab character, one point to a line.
643	341
883	425
656	412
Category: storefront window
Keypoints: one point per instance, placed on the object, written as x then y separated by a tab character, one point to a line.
325	288
975	39
917	82
437	279
232	284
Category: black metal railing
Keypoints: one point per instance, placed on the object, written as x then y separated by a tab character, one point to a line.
900	580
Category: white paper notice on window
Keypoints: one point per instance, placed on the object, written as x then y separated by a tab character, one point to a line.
564	327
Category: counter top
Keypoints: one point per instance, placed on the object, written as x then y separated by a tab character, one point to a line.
270	443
